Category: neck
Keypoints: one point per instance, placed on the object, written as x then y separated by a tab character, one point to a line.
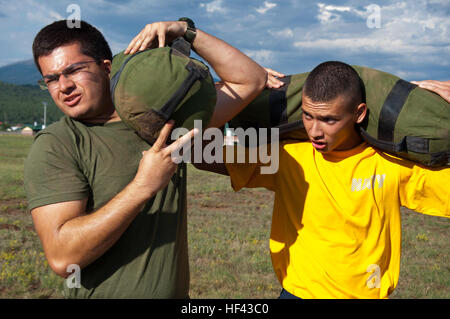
114	117
108	116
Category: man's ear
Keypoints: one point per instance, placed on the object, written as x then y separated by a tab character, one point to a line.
107	66
360	113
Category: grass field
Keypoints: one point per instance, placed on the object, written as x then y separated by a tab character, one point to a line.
228	241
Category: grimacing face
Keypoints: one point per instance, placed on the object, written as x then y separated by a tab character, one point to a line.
84	97
331	125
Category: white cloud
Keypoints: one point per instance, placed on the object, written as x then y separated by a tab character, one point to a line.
267	6
413	36
263	57
327	17
43	16
214	6
410	33
363	44
286	33
327	13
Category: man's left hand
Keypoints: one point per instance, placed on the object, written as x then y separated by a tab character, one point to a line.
439	87
155	35
272	79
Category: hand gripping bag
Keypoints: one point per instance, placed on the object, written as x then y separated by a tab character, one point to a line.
403	119
150	87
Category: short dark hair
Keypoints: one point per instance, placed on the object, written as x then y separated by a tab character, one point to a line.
58	33
331	79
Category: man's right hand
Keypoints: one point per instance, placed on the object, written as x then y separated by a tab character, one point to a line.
157	166
70	235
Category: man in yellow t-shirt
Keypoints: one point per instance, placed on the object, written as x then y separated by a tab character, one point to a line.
336	229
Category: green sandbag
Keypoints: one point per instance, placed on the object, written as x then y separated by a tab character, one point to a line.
152	86
403	119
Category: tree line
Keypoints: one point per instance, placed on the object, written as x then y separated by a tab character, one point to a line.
23	104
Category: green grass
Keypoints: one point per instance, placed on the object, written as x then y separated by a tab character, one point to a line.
228	241
13	150
425	264
24	272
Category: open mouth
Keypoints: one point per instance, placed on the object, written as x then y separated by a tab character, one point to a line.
319	145
72	100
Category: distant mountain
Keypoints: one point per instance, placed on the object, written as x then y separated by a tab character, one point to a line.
24	72
24	104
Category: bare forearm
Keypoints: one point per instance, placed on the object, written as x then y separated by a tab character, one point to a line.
84	239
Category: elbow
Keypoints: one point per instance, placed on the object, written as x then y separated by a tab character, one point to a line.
58	268
62	268
257	85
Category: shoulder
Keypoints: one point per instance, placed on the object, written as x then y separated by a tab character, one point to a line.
58	139
392	161
296	148
60	129
294	144
64	134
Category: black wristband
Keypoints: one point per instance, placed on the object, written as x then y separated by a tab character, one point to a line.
191	31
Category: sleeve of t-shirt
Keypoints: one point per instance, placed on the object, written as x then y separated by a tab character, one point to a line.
247	171
425	190
52	174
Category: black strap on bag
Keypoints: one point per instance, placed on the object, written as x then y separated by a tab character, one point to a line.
182	46
388	118
391	109
409	143
278	103
195	73
386	125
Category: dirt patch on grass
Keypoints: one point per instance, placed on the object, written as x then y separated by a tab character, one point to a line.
231	200
13	206
9	226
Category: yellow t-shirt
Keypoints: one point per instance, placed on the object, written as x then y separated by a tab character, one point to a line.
336	229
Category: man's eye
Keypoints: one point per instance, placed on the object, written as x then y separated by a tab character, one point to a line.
330	120
74	70
50	80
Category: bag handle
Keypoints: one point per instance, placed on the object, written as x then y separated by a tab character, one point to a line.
391	109
195	73
182	46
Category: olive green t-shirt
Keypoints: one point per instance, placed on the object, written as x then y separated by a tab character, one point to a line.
70	161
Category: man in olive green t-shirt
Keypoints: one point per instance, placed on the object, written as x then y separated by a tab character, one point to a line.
71	161
101	198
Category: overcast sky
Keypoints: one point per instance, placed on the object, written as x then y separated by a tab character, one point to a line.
407	38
